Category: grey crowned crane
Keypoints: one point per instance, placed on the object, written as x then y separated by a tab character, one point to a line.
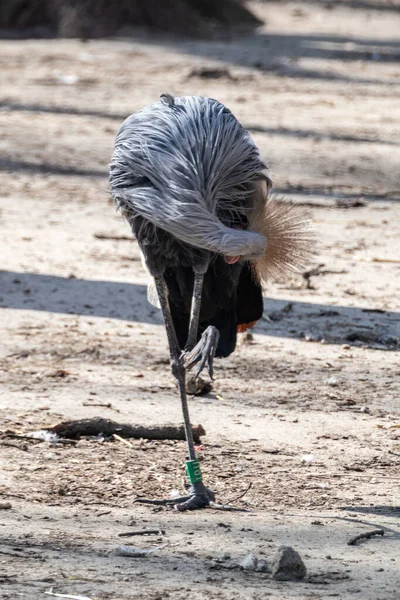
191	183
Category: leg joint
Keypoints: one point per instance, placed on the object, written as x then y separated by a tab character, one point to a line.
178	368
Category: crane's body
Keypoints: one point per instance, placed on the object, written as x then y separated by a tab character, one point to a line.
191	183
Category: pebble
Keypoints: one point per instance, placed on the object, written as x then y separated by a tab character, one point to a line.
5	505
287	565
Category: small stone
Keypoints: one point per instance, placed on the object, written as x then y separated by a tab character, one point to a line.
198	387
249	563
5	505
287	565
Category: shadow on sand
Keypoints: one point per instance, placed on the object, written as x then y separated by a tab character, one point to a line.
128	302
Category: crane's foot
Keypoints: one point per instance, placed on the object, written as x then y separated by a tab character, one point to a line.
192	501
198	497
203	353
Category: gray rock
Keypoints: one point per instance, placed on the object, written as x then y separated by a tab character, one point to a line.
286	565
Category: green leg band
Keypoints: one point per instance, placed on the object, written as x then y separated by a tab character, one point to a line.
193	471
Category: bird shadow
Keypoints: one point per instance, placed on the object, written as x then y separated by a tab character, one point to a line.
128	302
331	324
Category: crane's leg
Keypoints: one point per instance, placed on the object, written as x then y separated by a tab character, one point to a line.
204	351
195	310
199	496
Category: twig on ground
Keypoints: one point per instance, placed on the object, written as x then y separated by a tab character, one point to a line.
135	552
11	445
311	204
226	507
112	236
241	495
98	425
365	536
142	532
318	270
120	439
385	260
13	554
7	495
33	436
71	596
379	260
350	202
103	405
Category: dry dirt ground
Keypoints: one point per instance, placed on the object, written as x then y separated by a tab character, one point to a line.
319	89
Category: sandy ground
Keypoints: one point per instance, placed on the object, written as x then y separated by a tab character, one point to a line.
319	90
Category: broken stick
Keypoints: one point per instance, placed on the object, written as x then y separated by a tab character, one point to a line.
107	427
142	532
112	236
120	439
365	536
